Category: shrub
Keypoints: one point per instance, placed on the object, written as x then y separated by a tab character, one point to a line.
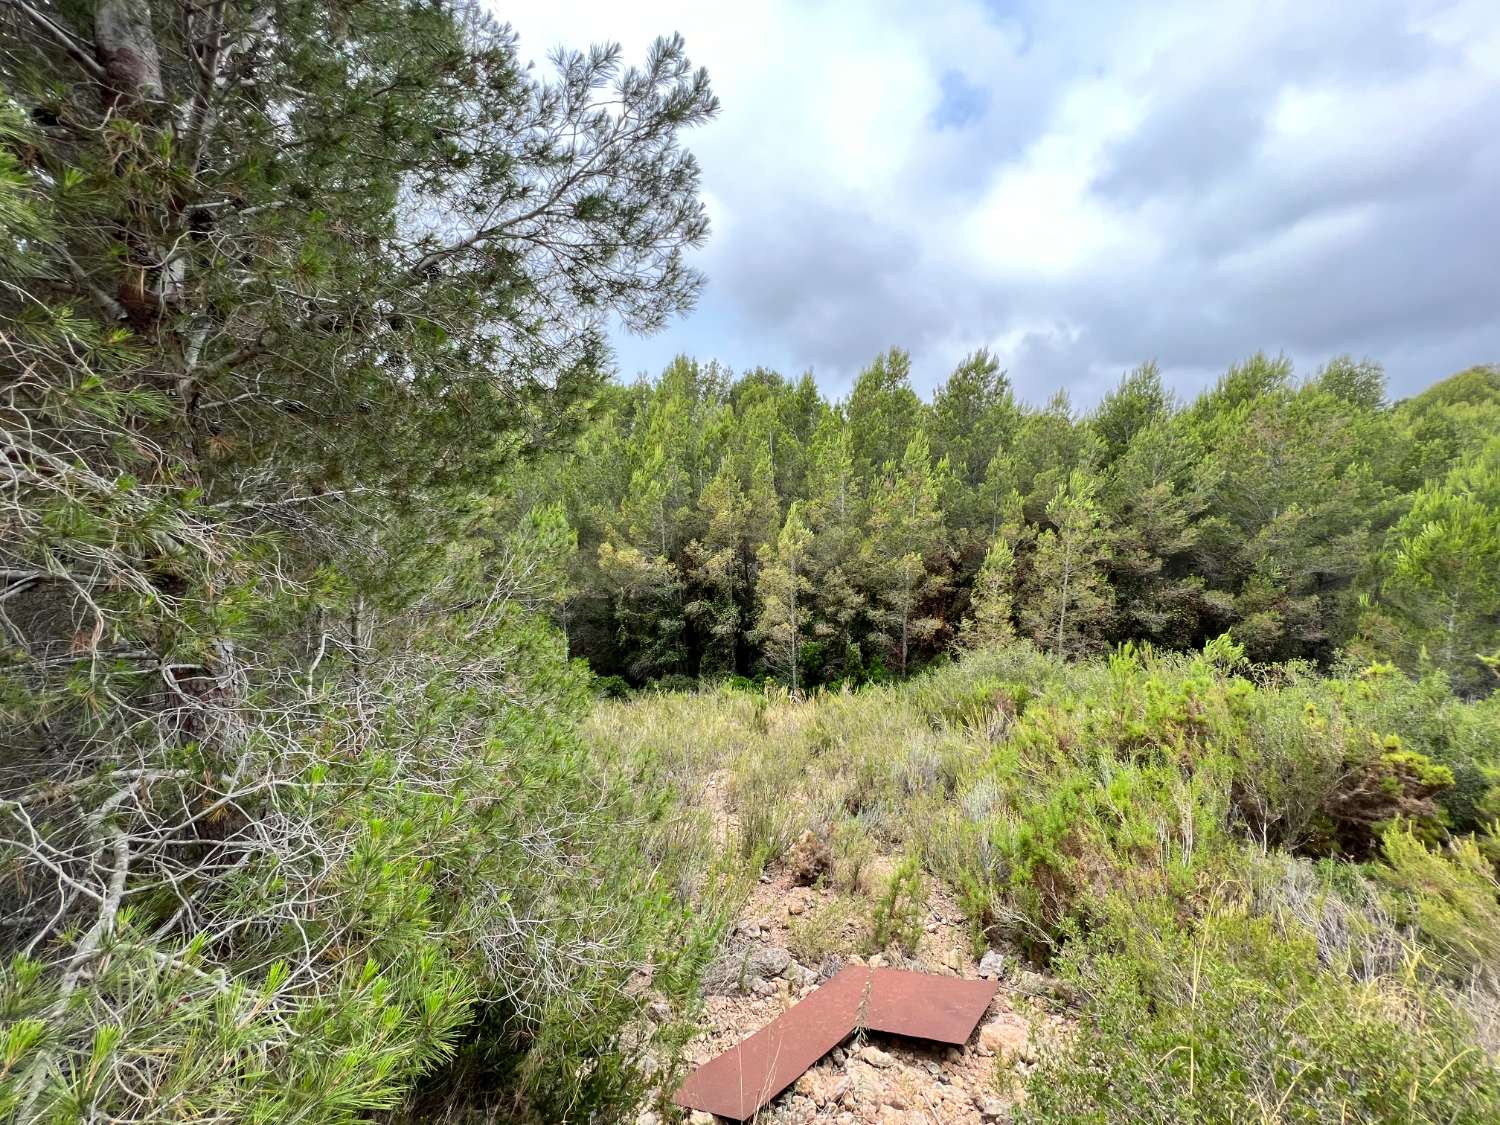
611	687
831	927
853	851
1235	1020
1450	896
810	858
899	914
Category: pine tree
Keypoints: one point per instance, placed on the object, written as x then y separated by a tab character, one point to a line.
882	413
1049	445
1068	595
1154	496
974	416
1138	401
990	624
905	534
784	588
833	513
289	289
717	573
1444	562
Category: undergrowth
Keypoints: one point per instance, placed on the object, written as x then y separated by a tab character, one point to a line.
1273	889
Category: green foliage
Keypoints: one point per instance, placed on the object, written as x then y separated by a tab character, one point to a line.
1236	1020
1068	593
1242	871
295	817
1444	570
826	928
1272	508
1450	896
785	592
897	916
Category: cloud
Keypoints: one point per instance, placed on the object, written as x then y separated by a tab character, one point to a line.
1081	187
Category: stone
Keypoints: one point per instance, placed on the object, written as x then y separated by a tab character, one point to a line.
992	965
821	1087
1032	984
650	1117
866	1084
660	1011
698	1117
875	1057
990	1108
769	962
1007	1035
796	906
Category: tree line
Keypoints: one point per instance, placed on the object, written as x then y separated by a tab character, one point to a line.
749	526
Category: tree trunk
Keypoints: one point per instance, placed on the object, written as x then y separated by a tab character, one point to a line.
126	48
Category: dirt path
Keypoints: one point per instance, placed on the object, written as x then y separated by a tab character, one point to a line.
876	1078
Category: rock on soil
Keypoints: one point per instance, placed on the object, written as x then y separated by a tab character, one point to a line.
879	1079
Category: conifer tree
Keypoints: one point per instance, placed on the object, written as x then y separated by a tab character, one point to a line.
905	535
717	573
288	291
833	513
974	416
990	623
1444	583
784	588
1138	401
883	413
1068	595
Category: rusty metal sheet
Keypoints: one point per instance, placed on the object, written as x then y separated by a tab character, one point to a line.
739	1082
923	1006
744	1078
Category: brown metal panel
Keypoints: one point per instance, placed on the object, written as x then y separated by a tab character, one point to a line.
923	1006
746	1077
741	1080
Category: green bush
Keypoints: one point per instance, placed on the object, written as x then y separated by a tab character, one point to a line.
898	916
1236	1020
1452	897
611	687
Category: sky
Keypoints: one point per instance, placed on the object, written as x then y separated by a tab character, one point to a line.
1082	186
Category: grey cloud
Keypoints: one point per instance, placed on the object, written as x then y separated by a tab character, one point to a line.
1375	240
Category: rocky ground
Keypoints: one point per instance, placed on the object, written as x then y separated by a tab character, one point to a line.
878	1078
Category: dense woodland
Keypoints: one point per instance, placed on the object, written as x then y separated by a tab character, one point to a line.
313	472
749	526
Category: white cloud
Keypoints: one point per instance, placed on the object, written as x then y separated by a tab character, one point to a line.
1176	180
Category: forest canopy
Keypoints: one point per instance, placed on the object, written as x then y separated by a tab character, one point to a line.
750	526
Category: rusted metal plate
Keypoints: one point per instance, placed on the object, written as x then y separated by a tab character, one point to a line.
744	1078
923	1006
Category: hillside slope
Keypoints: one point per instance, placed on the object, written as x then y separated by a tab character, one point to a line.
1212	888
